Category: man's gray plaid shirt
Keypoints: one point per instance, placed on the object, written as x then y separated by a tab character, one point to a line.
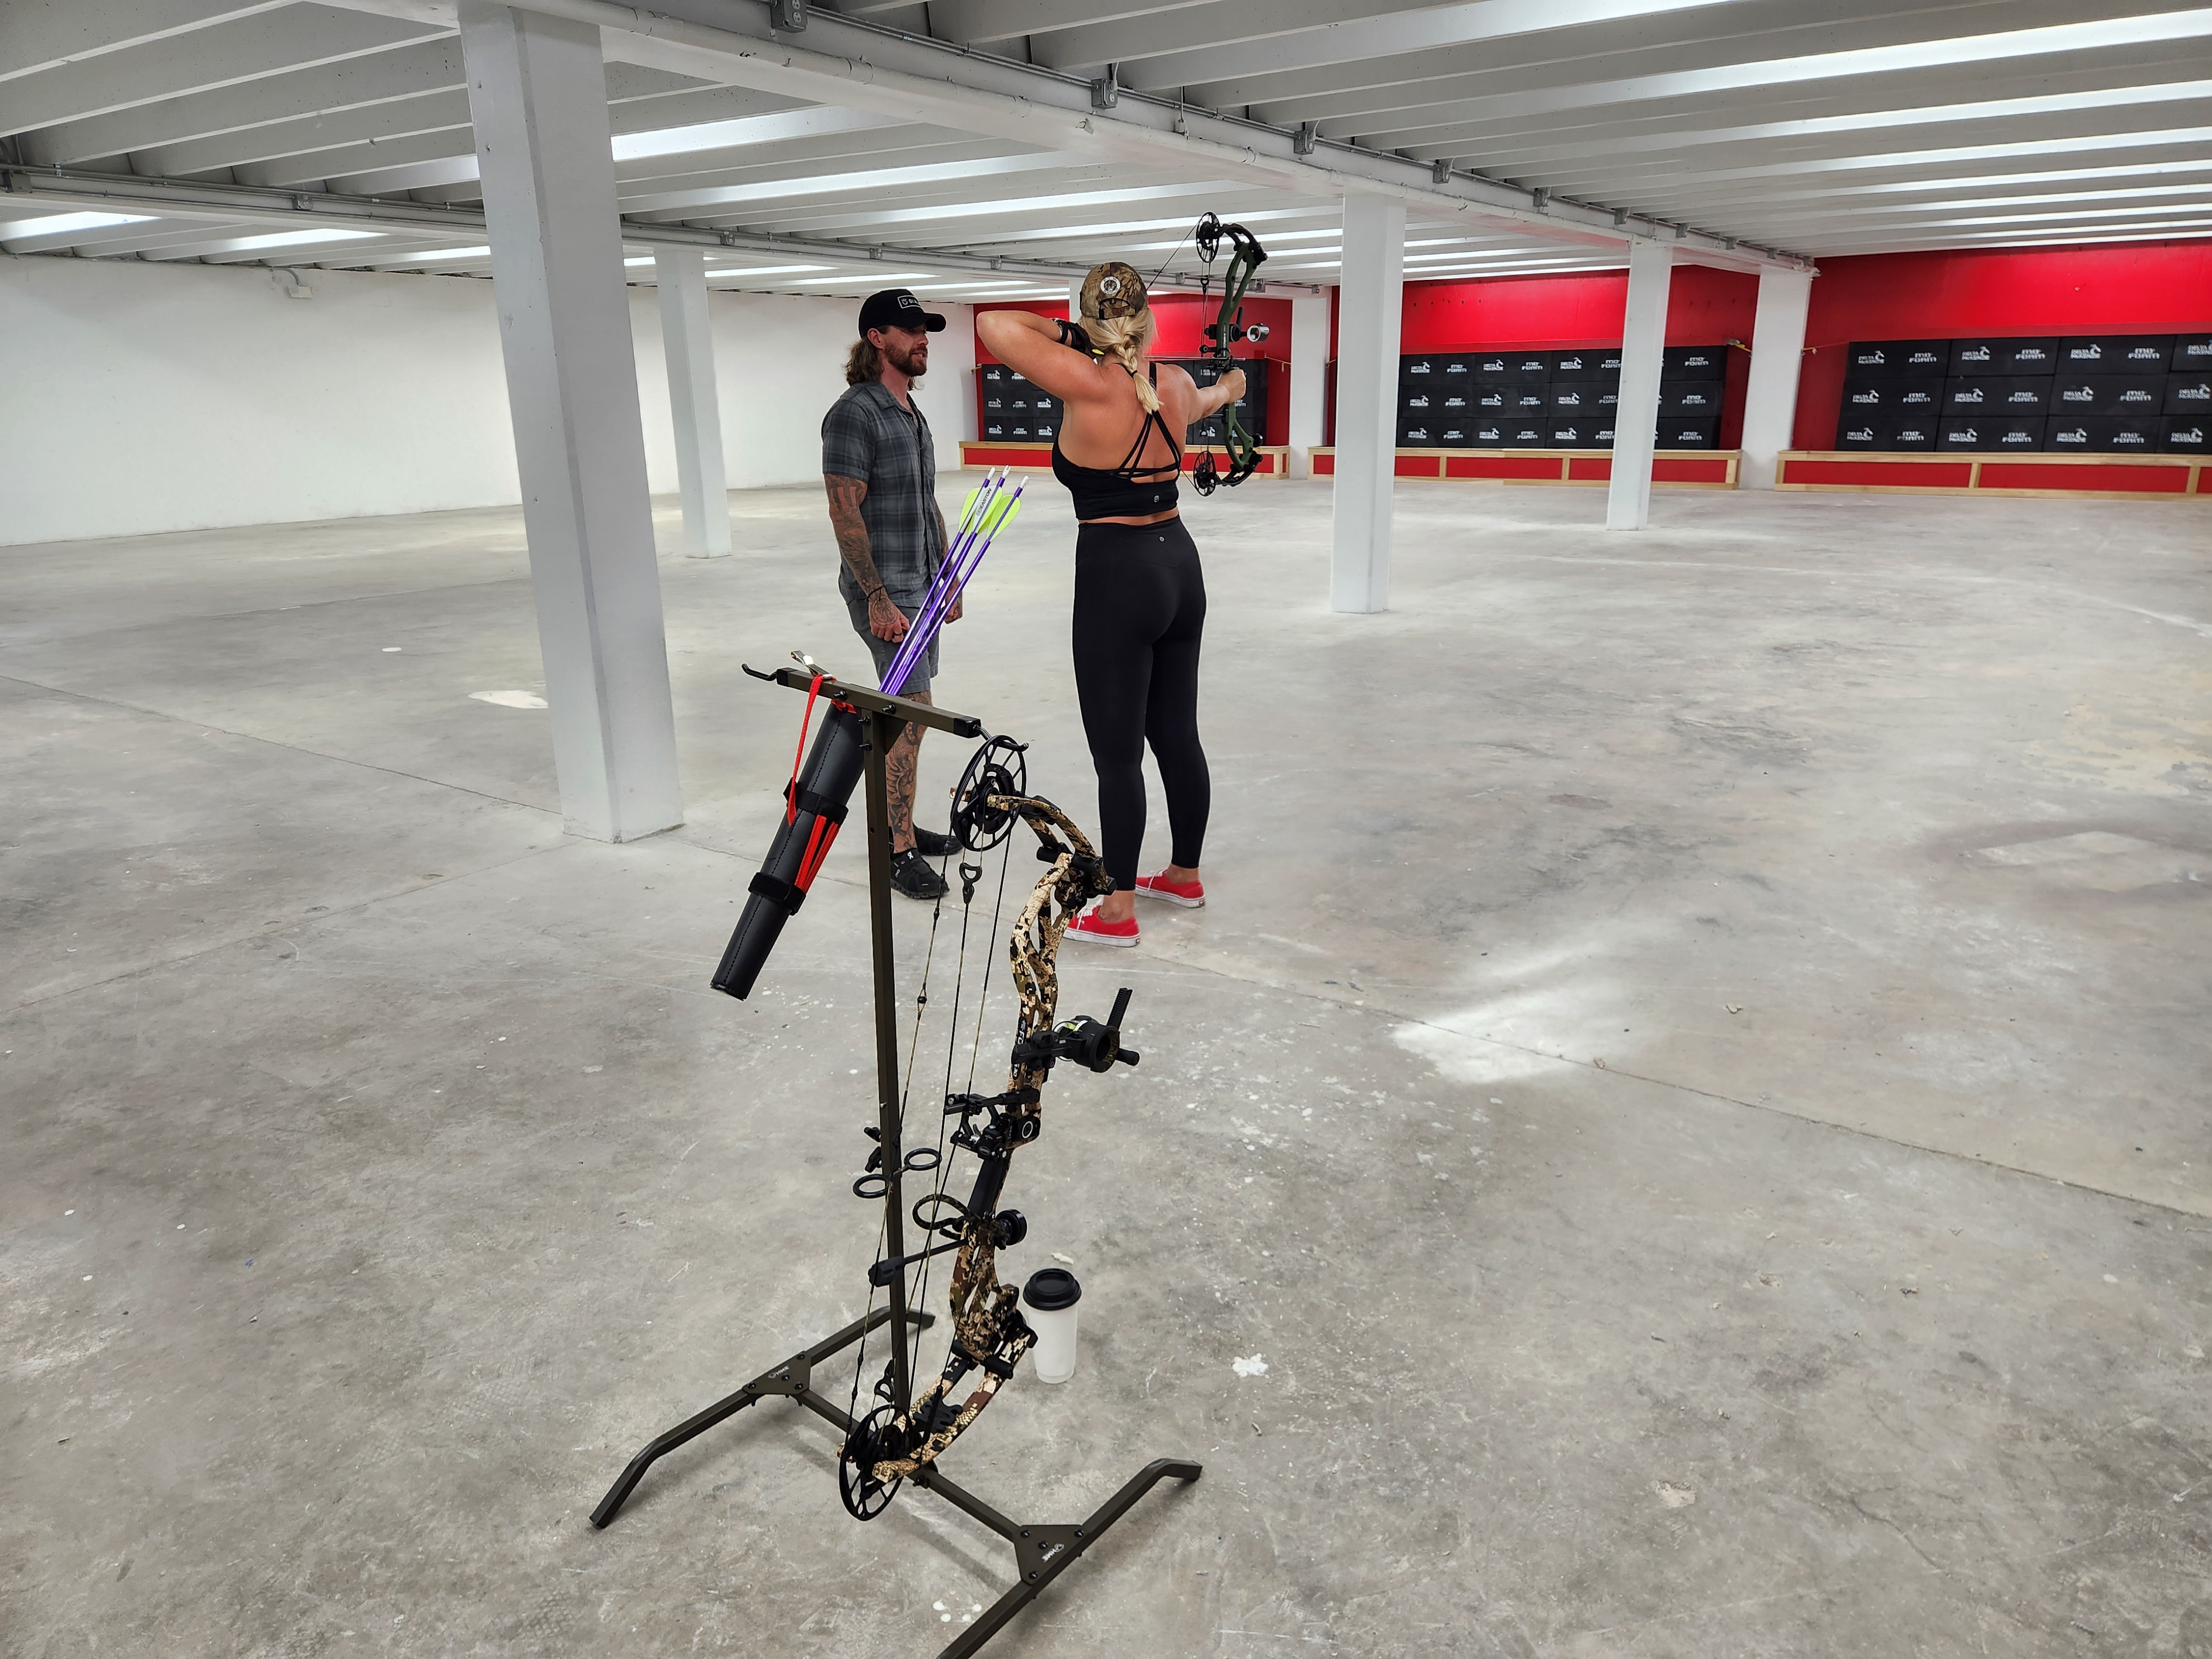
867	435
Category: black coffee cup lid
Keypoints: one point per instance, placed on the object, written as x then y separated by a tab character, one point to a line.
1051	1289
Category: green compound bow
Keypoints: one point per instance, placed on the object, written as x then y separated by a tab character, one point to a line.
1245	257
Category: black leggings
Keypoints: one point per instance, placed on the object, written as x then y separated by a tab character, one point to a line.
1139	611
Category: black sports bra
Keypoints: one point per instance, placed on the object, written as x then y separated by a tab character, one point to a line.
1129	491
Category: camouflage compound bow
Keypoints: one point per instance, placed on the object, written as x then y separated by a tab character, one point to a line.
989	1335
1245	258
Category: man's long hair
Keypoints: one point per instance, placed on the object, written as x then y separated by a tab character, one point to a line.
864	362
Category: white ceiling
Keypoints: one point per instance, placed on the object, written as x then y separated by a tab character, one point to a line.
1819	127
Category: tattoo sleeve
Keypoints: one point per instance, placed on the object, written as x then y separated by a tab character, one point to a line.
845	495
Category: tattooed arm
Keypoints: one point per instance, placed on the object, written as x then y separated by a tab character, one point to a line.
885	620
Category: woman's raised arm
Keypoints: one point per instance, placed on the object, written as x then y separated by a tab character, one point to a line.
1030	345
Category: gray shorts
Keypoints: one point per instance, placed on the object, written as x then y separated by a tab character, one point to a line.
884	650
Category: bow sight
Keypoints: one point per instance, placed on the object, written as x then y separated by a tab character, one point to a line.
1245	257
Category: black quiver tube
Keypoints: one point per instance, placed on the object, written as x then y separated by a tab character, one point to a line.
815	806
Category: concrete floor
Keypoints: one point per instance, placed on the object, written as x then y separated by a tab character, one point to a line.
1692	1083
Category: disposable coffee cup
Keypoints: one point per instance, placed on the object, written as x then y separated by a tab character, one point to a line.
1049	1304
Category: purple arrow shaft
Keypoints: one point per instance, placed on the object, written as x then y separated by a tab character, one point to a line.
930	619
903	660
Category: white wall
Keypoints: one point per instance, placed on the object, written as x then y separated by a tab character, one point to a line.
137	398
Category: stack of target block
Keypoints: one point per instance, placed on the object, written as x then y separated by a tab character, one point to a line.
2131	413
1551	399
1534	416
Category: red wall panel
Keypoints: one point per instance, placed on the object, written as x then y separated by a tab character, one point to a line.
2148	288
1704	307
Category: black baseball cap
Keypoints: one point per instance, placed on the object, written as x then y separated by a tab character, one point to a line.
896	307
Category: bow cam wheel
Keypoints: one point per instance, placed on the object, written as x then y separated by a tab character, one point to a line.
996	769
866	1497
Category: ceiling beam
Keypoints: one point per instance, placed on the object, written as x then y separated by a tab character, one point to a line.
2118	107
36	38
363	83
987	23
224	54
1587	42
303	209
845	62
1854	79
1259	36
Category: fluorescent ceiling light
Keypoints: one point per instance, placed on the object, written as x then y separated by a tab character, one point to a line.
2163	138
827	183
881	279
2076	213
1010	206
763	270
60	224
1551	267
293	238
1182	221
445	253
2180	230
2126	170
1784	217
1674	142
747	129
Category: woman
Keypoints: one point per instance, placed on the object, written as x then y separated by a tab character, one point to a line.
1140	595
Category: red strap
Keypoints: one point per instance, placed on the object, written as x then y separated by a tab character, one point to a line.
791	793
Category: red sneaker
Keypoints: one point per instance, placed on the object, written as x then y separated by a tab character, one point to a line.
1089	927
1188	894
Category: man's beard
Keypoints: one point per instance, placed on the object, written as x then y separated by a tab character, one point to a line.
912	364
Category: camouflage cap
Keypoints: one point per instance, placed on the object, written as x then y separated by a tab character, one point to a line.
1112	290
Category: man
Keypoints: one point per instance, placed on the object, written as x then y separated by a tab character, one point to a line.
879	465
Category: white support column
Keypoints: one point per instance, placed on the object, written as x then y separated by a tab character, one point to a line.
1308	381
1075	299
687	337
1777	350
538	97
1372	297
1636	422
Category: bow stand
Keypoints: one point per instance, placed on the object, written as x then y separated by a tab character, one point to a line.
901	1438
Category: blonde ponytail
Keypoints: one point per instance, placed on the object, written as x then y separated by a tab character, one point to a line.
1123	340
